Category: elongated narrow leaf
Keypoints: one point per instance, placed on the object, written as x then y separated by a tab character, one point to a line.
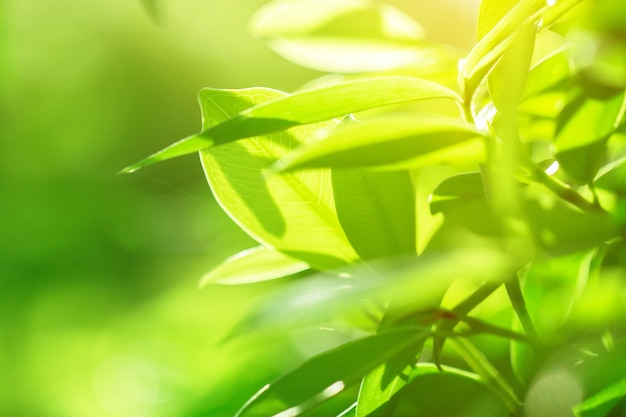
376	211
490	13
583	127
548	73
328	374
379	385
343	35
294	213
302	108
254	265
495	43
602	403
508	77
394	142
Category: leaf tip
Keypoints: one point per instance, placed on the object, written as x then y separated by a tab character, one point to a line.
129	169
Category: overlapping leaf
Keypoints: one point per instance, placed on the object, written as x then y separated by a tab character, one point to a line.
496	42
583	127
392	142
254	265
334	371
293	213
304	107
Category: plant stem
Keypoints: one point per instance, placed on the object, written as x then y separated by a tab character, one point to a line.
562	190
514	291
488	373
479	326
460	311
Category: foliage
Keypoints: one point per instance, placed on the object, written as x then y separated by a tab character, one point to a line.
468	221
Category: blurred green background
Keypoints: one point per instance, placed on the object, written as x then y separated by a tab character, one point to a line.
100	314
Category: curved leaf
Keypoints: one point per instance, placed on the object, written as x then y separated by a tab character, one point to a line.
498	40
583	127
495	42
293	213
334	371
301	108
448	393
456	191
254	265
343	35
395	142
490	13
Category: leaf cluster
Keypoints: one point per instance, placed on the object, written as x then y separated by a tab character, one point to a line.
465	212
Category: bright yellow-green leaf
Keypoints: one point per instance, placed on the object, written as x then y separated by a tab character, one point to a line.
583	127
490	13
344	35
292	212
304	107
498	40
507	79
253	265
391	142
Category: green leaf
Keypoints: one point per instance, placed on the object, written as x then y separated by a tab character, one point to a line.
448	393
561	229
304	107
344	36
456	191
602	403
412	283
254	265
506	80
583	127
548	73
376	211
329	373
391	142
379	386
497	41
293	213
599	373
490	13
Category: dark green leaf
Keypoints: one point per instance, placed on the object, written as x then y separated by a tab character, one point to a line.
329	373
602	404
449	393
